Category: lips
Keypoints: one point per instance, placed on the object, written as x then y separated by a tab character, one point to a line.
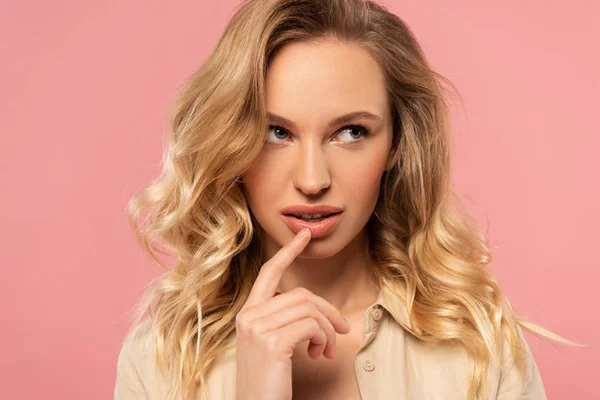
317	228
329	217
311	210
311	216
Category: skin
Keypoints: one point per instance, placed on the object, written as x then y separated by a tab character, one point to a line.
319	280
311	162
270	326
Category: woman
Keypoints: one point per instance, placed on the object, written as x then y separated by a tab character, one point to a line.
322	114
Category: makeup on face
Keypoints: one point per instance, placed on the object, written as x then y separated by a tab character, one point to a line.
320	219
316	147
318	227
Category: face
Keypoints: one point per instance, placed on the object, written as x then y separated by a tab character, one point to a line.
309	160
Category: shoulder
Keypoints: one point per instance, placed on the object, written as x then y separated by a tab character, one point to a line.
138	340
512	384
137	375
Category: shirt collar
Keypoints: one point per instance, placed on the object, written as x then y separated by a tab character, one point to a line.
394	305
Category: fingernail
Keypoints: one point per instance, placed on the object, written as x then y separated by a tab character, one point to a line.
304	233
347	324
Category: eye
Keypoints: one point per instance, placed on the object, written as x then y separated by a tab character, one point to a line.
280	131
357	128
277	135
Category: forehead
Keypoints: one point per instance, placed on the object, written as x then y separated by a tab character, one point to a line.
313	79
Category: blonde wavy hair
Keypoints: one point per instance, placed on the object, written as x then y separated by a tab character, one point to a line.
426	247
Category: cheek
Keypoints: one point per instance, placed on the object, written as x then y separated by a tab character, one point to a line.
357	175
362	172
262	181
361	180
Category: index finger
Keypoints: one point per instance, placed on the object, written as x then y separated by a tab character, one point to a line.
270	274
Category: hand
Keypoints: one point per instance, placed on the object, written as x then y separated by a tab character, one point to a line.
269	326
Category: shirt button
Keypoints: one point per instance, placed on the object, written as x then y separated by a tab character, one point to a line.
377	314
368	365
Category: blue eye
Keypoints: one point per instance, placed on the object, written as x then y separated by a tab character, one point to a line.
280	131
277	128
358	128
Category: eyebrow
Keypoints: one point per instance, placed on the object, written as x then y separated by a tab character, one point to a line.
278	119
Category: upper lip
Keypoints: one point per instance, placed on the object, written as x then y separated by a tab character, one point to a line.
311	210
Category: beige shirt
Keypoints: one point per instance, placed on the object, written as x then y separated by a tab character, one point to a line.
391	364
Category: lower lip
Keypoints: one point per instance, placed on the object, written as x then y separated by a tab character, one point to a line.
317	229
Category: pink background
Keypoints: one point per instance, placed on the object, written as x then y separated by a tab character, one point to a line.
85	90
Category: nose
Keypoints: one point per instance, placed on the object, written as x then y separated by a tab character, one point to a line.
311	172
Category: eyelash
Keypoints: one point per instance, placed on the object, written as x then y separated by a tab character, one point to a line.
364	131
